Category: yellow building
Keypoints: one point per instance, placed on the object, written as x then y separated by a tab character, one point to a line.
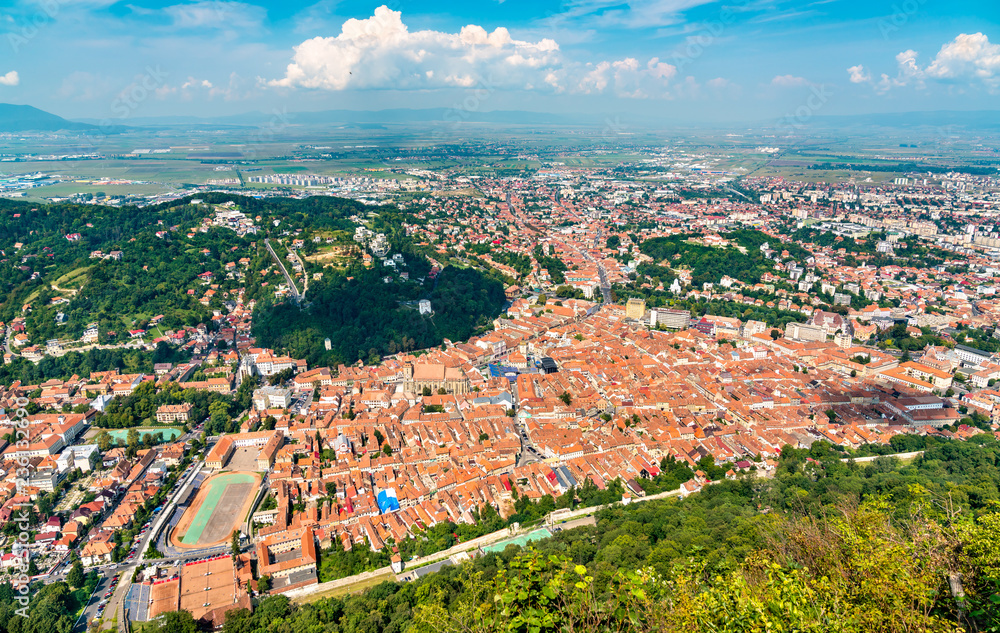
635	309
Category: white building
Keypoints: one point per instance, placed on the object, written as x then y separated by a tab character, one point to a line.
84	457
272	398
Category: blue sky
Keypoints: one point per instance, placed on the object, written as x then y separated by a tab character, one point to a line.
683	60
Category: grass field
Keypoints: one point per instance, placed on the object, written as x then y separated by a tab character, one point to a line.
74	279
357	587
216	489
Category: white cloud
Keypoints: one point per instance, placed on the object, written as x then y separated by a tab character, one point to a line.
785	81
380	52
968	56
216	14
630	15
10	79
968	60
236	88
194	83
859	75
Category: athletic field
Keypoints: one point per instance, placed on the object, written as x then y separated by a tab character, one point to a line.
218	509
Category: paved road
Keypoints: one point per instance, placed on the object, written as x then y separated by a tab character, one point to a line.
529	452
281	265
305	278
90	612
603	274
6	342
605	286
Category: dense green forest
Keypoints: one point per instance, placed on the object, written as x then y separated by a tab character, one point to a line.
139	408
752	240
825	545
980	339
128	361
365	318
520	263
709	264
555	266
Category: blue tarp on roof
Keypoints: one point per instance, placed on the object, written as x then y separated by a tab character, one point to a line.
387	501
501	371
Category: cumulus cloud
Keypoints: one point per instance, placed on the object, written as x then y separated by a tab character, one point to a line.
785	81
192	83
216	14
967	60
968	56
236	88
10	79
859	75
380	52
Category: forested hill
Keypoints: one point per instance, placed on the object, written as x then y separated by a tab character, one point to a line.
47	259
826	545
742	259
365	318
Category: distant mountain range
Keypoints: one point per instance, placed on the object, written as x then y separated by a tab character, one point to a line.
24	118
356	118
21	118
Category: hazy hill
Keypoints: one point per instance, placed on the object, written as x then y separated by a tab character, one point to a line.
25	118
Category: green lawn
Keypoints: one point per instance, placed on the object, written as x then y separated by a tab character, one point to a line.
356	587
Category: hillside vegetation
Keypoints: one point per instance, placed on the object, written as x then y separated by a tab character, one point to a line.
166	252
709	263
826	545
